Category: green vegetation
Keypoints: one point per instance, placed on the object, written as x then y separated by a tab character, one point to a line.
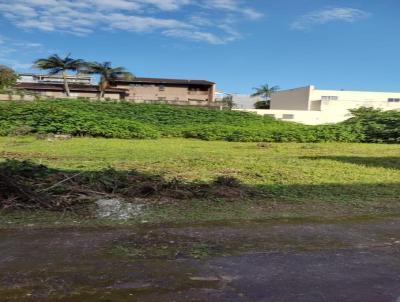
328	171
127	120
8	78
191	180
378	126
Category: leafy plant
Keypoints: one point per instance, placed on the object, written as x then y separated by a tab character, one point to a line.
8	78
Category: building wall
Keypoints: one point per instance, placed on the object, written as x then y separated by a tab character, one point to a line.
293	99
309	98
313	106
359	96
169	93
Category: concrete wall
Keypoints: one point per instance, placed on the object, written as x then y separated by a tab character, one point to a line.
293	99
6	97
55	94
298	116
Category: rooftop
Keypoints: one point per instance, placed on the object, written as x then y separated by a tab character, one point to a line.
55	75
165	81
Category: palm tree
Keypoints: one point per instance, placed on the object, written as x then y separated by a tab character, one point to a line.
107	74
265	92
56	65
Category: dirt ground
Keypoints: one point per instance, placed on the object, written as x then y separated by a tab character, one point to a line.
288	260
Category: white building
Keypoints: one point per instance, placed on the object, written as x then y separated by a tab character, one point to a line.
54	79
312	106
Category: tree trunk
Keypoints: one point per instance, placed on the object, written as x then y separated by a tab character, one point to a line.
66	86
103	86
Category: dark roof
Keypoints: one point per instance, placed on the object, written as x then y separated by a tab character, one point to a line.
165	81
60	87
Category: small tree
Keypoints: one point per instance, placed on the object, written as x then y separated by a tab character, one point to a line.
265	92
8	78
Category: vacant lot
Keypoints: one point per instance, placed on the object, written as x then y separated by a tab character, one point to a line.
295	179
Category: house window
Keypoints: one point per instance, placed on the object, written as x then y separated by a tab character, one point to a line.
329	98
161	88
288	116
391	100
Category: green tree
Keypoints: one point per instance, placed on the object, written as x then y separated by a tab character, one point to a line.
107	74
8	77
264	91
54	64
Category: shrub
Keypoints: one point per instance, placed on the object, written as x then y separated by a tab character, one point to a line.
376	125
8	77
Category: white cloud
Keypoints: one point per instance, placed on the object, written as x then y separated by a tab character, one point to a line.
84	17
142	24
195	35
9	47
233	6
16	65
335	14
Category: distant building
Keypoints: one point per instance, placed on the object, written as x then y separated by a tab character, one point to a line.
309	105
139	90
171	90
54	79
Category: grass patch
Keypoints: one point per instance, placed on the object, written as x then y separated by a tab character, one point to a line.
284	179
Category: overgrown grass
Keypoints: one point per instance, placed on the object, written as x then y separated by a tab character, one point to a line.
327	172
295	180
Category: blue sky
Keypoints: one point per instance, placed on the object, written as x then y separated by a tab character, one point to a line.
239	44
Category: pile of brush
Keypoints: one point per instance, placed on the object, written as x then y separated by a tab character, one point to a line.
25	185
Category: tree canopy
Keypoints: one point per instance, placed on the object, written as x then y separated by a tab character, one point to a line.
8	77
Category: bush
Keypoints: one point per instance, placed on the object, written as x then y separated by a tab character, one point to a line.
8	77
376	125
